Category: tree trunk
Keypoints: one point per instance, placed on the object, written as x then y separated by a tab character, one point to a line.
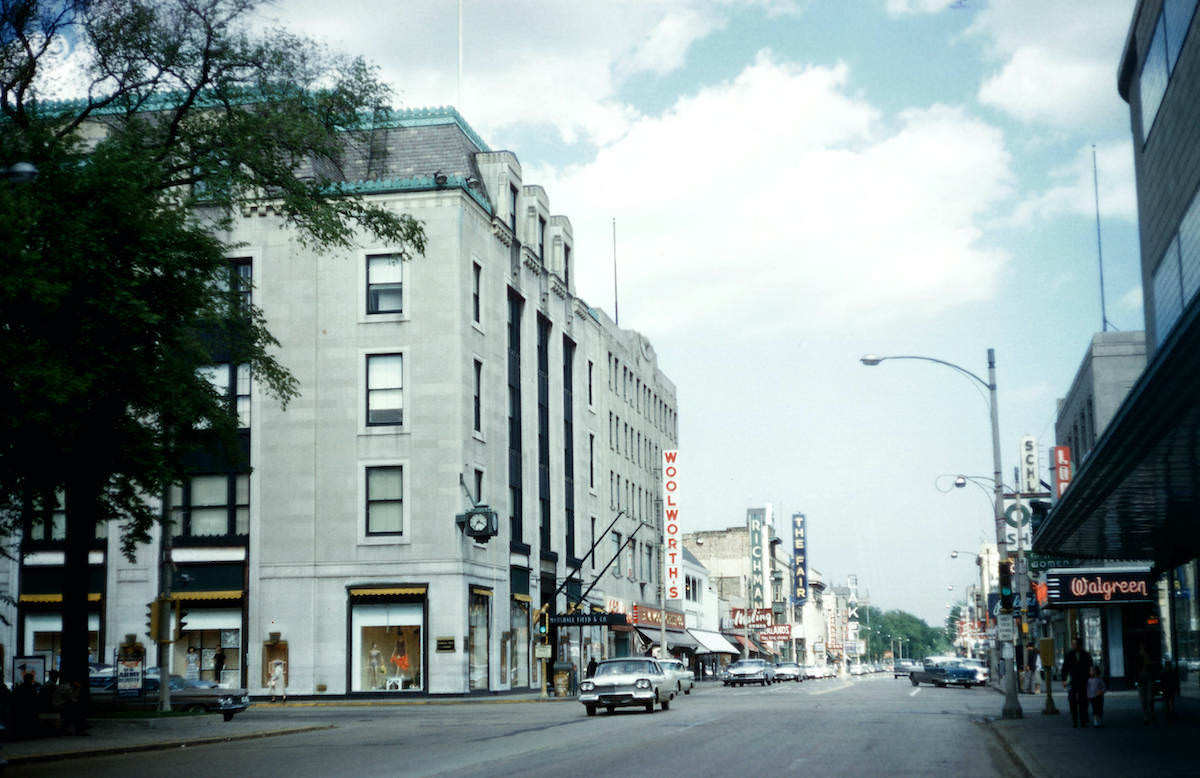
81	497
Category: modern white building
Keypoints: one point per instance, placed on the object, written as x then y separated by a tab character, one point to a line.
472	374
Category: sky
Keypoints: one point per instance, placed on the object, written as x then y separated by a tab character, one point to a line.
797	183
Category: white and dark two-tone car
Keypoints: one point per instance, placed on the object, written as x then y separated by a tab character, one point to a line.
628	682
746	671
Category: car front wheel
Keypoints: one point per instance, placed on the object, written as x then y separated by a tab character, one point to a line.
591	710
914	681
666	704
229	715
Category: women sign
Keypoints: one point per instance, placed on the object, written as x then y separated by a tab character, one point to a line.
672	536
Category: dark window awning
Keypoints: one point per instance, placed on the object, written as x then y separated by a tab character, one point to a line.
675	638
1135	496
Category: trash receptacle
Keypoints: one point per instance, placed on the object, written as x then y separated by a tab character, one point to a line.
562	679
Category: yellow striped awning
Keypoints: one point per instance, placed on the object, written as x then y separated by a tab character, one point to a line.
385	591
228	594
92	597
481	590
522	598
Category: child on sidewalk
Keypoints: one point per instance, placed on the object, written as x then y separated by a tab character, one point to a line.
1095	693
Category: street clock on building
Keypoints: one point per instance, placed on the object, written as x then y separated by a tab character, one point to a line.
479	523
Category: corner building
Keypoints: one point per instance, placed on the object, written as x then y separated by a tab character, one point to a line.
471	373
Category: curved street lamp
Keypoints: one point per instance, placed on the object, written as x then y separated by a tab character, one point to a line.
1012	705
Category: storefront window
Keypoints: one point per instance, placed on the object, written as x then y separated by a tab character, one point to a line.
195	655
518	669
478	637
43	637
388	647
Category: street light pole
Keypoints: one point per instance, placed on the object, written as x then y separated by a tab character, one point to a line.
1012	705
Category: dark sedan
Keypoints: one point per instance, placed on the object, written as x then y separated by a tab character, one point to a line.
195	696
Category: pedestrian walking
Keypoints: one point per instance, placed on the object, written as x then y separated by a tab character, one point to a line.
1170	687
1095	693
1147	673
276	683
591	668
1031	659
218	664
1077	667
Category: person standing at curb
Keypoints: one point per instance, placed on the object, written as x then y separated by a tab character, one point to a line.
1095	693
1147	672
1077	666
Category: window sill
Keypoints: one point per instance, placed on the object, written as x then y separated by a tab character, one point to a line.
384	429
384	540
477	435
382	318
478	327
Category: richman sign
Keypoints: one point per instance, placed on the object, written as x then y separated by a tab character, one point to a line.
1098	587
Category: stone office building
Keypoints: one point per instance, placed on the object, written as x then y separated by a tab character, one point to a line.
471	374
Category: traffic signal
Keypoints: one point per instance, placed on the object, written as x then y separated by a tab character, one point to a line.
541	618
1006	586
180	615
158	615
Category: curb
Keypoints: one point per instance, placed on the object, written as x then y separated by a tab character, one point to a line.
160	745
1015	752
399	703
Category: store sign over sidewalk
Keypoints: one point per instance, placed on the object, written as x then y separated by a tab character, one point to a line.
754	618
1099	586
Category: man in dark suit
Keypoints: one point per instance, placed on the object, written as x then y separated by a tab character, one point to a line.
1077	665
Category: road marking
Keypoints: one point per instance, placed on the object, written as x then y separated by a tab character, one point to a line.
834	689
913	693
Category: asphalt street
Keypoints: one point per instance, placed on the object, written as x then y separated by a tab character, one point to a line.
864	726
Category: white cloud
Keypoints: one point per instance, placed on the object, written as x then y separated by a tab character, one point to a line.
1073	190
899	7
527	62
1132	300
776	200
1058	61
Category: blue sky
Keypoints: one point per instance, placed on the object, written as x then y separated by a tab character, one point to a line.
796	184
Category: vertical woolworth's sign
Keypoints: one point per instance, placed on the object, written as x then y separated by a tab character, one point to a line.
672	537
755	518
800	558
1062	469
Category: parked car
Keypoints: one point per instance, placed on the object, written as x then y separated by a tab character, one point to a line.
685	679
788	671
981	669
185	695
746	671
903	668
944	671
631	681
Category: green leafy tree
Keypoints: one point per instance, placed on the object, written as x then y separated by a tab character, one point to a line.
888	628
115	290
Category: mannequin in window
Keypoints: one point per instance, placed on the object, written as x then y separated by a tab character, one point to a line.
376	671
399	660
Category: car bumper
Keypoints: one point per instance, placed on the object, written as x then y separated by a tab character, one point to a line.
618	699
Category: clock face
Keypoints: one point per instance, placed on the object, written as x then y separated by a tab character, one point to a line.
478	522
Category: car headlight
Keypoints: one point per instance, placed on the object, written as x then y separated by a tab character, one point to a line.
642	683
587	686
225	701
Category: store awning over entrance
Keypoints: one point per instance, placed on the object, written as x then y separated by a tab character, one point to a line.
1135	495
712	643
675	638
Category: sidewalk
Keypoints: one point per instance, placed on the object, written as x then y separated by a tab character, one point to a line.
1049	746
116	736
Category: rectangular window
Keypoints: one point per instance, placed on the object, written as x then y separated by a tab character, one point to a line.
1168	293
476	283
478	389
232	383
478	485
616	548
541	239
385	500
593	539
384	291
512	208
211	505
515	471
567	265
1177	18
543	410
589	380
478	637
385	400
591	461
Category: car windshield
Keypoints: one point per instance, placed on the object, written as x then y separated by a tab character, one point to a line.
743	663
788	665
630	667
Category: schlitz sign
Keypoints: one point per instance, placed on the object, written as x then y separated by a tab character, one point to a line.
1098	587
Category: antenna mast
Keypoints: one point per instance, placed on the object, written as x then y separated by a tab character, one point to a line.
1099	246
616	308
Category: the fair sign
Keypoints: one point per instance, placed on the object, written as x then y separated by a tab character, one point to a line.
672	535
